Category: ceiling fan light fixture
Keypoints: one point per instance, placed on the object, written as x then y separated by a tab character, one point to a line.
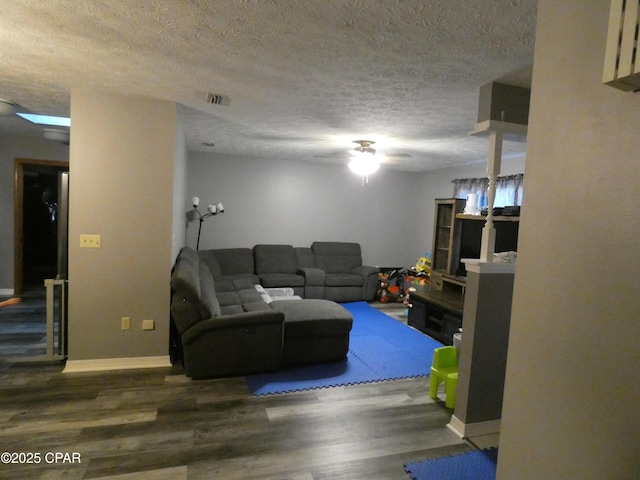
363	161
56	135
364	166
364	149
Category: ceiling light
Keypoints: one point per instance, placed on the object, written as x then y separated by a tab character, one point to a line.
363	166
6	108
56	135
363	162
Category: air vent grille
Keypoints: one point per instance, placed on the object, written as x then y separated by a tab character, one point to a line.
621	63
216	99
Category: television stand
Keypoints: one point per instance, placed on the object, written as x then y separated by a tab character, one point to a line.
454	283
436	313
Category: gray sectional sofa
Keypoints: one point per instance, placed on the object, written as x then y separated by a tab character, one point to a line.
329	270
224	323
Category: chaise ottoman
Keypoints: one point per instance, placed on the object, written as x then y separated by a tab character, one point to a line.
314	331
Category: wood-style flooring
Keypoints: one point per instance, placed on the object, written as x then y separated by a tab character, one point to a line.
157	424
23	330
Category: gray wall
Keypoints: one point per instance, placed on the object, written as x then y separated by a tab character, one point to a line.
271	201
179	229
277	202
122	162
571	395
12	147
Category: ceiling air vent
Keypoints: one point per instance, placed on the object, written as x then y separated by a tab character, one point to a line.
216	99
621	62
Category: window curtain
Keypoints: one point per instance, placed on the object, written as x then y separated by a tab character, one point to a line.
508	190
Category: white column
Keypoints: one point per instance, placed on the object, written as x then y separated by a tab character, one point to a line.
488	246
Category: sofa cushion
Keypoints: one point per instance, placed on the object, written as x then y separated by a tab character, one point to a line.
337	257
224	285
207	291
343	280
313	318
209	258
305	257
243	283
231	309
274	259
229	298
249	295
274	280
232	261
255	306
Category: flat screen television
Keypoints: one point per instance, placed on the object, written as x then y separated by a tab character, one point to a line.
471	239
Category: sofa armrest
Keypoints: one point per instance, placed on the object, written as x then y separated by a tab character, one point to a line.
245	320
312	276
370	285
365	271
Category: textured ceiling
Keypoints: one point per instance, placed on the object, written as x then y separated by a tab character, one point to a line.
302	78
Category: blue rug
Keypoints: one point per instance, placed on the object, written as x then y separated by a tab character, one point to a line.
380	348
476	465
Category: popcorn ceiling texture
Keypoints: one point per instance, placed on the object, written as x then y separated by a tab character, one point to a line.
303	78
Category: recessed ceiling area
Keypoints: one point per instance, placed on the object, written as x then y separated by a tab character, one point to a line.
293	80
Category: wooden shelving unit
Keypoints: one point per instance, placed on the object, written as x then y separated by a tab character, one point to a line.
446	237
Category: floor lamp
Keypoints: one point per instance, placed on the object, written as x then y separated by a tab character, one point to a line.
211	211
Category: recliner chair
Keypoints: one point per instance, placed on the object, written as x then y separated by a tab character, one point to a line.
276	267
345	278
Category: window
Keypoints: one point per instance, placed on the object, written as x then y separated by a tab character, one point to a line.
508	190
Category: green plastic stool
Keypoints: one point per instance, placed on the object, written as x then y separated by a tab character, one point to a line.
444	369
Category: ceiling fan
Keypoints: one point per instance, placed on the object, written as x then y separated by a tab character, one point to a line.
365	146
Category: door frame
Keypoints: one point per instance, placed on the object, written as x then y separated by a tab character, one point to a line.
18	214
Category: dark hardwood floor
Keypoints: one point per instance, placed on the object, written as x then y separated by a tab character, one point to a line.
23	331
158	424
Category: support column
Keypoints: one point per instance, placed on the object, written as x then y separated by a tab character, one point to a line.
483	350
488	246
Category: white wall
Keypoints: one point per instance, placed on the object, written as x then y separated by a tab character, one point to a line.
122	166
12	147
296	203
571	393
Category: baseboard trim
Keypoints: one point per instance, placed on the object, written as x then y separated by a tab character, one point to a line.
104	364
468	430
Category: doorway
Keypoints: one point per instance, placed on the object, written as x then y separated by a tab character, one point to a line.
38	221
37	218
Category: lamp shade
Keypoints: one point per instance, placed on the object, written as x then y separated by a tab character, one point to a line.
195	201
